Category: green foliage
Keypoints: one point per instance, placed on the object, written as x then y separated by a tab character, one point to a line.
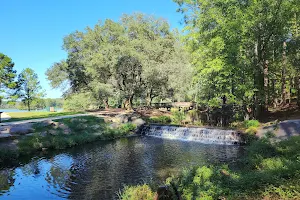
79	102
8	155
251	130
251	123
128	127
231	50
137	57
7	78
137	193
178	117
29	87
160	119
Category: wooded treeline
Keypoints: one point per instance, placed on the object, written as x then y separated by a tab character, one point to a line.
135	59
247	50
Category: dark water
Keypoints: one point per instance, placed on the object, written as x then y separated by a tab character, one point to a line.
99	170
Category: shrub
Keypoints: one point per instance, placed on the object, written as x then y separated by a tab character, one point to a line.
137	193
251	130
160	119
178	117
193	115
128	127
251	123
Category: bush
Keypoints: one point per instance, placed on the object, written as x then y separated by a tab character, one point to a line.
178	117
126	128
251	130
139	192
251	123
160	120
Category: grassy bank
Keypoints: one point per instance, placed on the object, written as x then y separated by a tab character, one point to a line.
18	116
269	171
64	134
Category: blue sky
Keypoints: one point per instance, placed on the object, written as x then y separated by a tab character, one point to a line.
32	31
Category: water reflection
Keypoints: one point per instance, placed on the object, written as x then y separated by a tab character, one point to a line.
99	170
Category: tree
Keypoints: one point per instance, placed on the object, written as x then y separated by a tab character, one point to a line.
29	87
129	79
236	49
95	55
7	77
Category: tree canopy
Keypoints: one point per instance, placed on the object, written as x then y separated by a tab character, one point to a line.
29	89
7	78
132	58
245	50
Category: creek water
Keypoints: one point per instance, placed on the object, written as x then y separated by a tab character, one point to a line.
99	170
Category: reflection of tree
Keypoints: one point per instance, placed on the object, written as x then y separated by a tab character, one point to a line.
31	169
59	173
101	171
58	176
6	180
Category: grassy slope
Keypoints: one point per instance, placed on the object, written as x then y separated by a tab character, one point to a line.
18	116
82	130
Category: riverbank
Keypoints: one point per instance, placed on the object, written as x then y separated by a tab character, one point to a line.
268	171
60	134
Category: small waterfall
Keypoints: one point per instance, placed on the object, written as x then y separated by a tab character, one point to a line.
203	135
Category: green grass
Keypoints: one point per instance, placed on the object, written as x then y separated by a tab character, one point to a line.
19	116
267	171
83	130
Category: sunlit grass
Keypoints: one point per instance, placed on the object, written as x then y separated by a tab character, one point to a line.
18	116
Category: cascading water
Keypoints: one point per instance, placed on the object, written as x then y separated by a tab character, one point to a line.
203	135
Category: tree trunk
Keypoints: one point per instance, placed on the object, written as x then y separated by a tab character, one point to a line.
149	98
28	105
105	102
283	75
128	103
297	82
266	83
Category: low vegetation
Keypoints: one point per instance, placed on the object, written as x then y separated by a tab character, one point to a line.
160	119
18	116
71	132
137	193
268	171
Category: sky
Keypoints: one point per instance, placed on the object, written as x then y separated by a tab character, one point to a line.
32	31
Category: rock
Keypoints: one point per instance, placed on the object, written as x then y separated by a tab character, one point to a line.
114	125
20	130
108	120
138	122
62	126
122	118
67	131
49	123
52	132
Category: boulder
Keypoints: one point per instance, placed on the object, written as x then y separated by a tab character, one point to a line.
48	123
122	118
53	132
21	130
138	122
114	125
